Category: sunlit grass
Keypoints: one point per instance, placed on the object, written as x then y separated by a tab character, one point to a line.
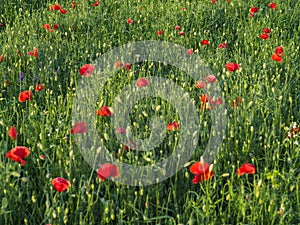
255	131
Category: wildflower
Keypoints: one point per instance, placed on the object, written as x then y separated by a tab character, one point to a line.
34	53
104	111
205	42
86	70
202	171
142	82
210	79
25	95
39	87
267	30
272	5
160	32
173	126
232	66
129	21
190	51
223	45
246	169
108	170
79	127
181	33
264	36
96	3
18	154
200	84
12	132
60	184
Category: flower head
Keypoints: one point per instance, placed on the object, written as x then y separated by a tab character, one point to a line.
108	170
246	169
79	127
86	70
202	171
60	184
24	96
18	154
12	132
104	111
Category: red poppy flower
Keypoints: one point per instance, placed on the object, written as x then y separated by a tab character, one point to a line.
96	3
200	84
60	184
205	98
39	87
34	53
24	96
79	127
51	30
42	157
190	51
13	133
177	27
279	51
127	66
236	102
202	172
1	58
63	11
108	170
55	26
18	154
86	70
267	30
142	82
46	26
181	33
129	21
213	1
55	7
160	32
205	42
246	169
264	36
104	111
277	57
173	126
223	45
73	5
253	10
118	64
272	5
232	66
183	9
210	79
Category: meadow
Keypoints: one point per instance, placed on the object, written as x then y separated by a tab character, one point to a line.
252	49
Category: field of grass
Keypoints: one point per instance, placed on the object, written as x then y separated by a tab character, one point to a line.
261	98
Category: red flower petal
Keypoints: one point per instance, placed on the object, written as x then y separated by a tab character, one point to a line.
24	96
104	111
205	42
232	66
246	169
142	82
86	70
267	30
264	36
39	87
200	84
13	133
60	184
129	21
108	170
277	57
210	79
79	127
18	154
173	126
272	5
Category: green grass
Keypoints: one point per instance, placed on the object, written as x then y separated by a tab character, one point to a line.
255	131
